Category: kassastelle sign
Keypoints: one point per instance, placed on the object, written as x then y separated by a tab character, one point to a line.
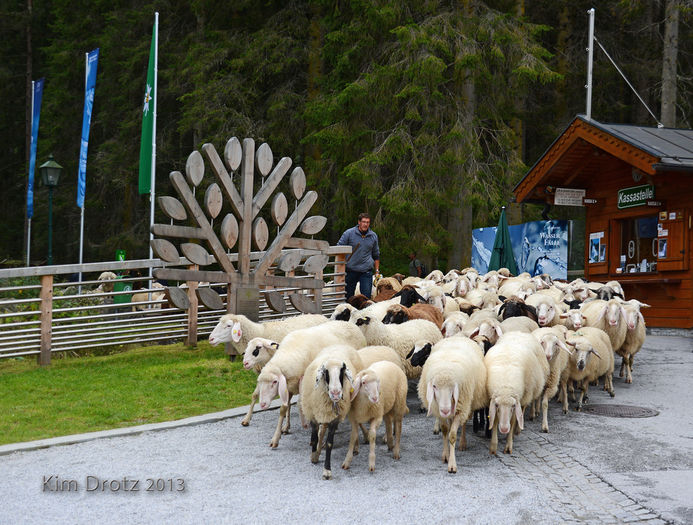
635	196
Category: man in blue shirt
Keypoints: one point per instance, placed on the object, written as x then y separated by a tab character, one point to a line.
365	254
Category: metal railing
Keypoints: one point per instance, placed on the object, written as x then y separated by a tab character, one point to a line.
40	314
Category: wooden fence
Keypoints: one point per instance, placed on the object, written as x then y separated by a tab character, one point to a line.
44	309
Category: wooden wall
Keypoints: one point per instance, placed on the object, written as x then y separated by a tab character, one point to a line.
670	293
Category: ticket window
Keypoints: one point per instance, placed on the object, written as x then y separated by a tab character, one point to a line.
639	245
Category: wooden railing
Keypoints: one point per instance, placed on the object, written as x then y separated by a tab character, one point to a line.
57	314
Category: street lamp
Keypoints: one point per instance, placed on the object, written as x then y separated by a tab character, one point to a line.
50	173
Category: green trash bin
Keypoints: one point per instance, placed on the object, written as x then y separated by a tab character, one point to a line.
120	286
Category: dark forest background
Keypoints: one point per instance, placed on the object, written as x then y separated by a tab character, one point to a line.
424	113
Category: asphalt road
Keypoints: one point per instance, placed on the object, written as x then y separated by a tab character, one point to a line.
588	469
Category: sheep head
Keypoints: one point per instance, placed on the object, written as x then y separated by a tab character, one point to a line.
552	344
259	350
396	314
506	406
445	395
332	374
228	329
419	354
270	384
367	382
583	349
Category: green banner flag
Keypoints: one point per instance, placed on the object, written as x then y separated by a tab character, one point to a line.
148	121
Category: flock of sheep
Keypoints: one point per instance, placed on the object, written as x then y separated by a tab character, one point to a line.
482	347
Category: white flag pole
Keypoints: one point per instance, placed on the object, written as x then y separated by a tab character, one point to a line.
590	57
28	230
81	219
156	98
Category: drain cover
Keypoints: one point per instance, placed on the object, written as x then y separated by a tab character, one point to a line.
619	411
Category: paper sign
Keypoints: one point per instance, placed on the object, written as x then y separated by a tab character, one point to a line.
663	233
662	216
672	215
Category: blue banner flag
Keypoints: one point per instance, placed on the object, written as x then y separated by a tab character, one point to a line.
92	62
37	95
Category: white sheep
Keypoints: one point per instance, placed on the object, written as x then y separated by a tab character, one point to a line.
106	284
258	352
548	310
488	326
454	323
376	310
237	329
573	319
518	324
583	367
380	392
400	337
609	316
374	353
325	395
635	336
516	375
342	312
552	340
282	374
452	386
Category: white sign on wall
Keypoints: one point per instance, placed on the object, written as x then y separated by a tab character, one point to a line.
568	197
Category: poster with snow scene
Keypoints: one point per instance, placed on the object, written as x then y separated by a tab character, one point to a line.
539	247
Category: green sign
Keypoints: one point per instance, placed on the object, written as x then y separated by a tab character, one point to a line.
635	196
120	255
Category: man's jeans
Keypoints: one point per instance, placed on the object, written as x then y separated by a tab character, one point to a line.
365	280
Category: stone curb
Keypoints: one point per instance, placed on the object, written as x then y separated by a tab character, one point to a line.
129	431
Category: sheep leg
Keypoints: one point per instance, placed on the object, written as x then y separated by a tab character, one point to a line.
452	437
609	384
564	395
583	393
363	431
353	438
532	411
445	428
509	440
624	364
321	436
463	437
287	427
493	445
278	432
398	435
436	426
375	423
629	369
314	451
246	420
329	443
388	432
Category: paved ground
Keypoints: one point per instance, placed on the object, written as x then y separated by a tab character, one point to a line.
588	469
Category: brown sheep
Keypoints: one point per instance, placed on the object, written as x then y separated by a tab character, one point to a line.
387	283
398	314
359	301
384	295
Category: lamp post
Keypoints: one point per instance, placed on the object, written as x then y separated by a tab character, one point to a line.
50	173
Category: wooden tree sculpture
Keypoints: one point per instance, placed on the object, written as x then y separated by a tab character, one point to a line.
243	225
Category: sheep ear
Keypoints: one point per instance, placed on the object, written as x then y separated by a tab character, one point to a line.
429	397
623	313
519	416
318	376
593	351
603	312
474	333
356	386
455	396
499	331
564	347
491	413
347	373
274	345
283	390
644	305
642	319
564	316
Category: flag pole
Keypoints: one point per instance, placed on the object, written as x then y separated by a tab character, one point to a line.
28	231
153	171
81	213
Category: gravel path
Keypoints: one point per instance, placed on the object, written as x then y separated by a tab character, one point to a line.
589	469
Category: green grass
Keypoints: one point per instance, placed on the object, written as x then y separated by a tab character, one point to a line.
140	386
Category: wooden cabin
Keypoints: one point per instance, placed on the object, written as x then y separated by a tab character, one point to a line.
636	184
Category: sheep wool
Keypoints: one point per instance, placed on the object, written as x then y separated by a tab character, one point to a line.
380	392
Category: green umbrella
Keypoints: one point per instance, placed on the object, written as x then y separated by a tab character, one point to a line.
502	255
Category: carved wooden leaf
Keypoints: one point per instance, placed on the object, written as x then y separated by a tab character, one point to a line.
210	298
289	261
233	153
313	225
172	208
297	182
303	304
195	253
275	301
260	233
177	297
213	200
195	168
229	231
279	209
263	159
164	250
315	263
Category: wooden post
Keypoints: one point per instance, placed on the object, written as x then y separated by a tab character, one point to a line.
191	339
340	267
46	312
318	293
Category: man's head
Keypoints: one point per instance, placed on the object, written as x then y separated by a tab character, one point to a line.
412	256
364	222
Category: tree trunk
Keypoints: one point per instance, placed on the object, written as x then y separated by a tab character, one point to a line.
671	46
29	117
